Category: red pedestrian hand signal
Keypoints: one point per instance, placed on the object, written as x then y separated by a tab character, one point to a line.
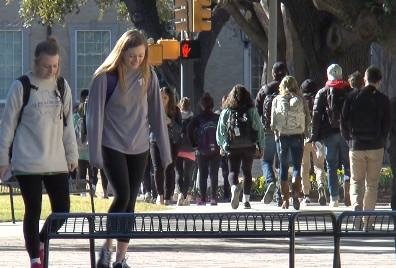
190	49
186	50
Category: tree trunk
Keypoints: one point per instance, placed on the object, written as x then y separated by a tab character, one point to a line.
324	41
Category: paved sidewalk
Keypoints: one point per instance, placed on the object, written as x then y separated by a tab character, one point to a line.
212	253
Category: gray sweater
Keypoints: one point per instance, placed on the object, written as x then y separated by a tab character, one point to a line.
42	144
123	123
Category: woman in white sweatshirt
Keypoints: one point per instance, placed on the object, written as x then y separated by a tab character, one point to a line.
123	101
41	136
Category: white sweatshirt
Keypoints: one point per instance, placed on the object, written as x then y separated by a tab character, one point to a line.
42	144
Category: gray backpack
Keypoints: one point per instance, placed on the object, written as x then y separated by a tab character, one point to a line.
289	114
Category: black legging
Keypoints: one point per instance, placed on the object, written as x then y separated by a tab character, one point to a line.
57	187
241	159
184	172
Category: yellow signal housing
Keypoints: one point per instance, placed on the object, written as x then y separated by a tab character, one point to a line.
155	54
170	49
202	15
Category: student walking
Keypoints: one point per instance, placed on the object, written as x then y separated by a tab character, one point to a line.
37	128
165	176
365	123
263	103
202	133
118	122
312	151
326	128
239	134
290	120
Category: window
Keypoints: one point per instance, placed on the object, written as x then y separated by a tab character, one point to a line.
10	60
257	62
92	47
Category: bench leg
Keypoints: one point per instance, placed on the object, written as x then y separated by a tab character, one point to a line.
46	253
292	250
337	258
92	252
12	204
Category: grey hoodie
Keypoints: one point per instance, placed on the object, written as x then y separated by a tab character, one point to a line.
123	123
42	144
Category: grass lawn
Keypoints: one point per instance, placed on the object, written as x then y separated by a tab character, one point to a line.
78	204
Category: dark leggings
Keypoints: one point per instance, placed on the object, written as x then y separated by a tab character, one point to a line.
224	171
241	159
125	173
164	181
184	173
57	187
208	165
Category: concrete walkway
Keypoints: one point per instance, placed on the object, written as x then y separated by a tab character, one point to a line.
216	253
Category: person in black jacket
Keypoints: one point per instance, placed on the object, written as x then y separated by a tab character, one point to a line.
263	104
392	150
326	128
202	133
365	123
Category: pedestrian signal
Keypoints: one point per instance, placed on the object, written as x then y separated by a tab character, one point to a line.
190	49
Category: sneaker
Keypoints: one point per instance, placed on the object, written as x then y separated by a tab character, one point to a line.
36	265
147	197
121	264
213	202
180	200
104	258
334	204
269	193
235	197
306	200
246	205
160	200
201	201
322	196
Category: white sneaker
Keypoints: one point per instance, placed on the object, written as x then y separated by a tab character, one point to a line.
334	204
180	200
160	200
306	200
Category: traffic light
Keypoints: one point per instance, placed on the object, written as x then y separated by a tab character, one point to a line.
170	49
190	49
202	15
181	15
154	54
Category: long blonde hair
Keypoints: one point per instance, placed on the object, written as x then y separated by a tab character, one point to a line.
288	86
113	62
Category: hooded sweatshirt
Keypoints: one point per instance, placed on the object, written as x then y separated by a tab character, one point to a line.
123	123
41	142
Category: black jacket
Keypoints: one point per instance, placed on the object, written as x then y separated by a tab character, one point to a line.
268	89
365	119
321	127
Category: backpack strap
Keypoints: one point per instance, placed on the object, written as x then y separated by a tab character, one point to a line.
60	84
24	79
112	80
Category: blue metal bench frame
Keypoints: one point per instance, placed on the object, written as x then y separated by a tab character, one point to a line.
175	225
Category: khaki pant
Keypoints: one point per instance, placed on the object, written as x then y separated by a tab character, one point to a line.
318	162
365	171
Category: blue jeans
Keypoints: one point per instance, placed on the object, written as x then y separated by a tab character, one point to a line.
267	160
337	152
294	143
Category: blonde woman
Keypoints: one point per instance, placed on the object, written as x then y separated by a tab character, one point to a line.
118	127
289	120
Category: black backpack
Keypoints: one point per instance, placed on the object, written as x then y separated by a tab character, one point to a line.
267	105
206	136
335	100
27	87
240	132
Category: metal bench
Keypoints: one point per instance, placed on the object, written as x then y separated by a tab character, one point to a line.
176	225
367	224
76	186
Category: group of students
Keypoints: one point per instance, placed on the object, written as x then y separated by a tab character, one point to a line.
345	124
128	118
